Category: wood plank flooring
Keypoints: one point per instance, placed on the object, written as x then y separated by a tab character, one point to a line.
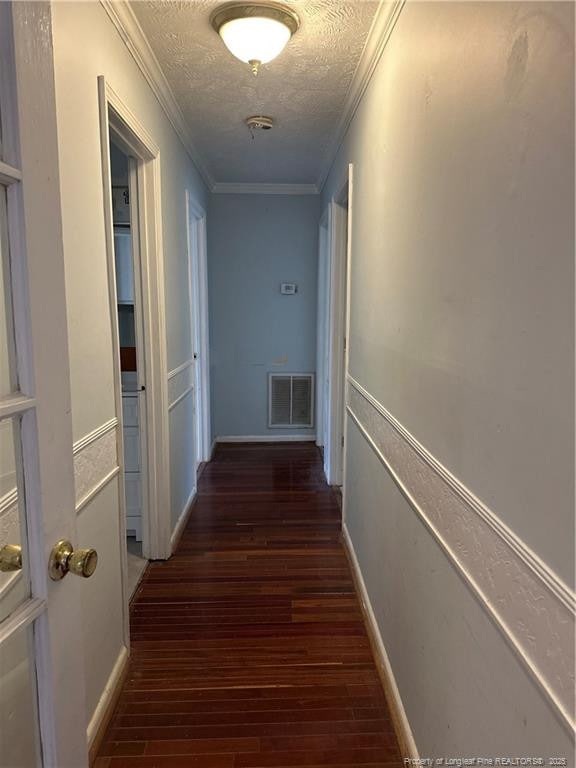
248	647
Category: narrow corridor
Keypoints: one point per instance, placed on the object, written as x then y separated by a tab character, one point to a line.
248	645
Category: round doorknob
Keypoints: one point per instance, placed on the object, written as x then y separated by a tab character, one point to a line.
10	558
64	558
83	562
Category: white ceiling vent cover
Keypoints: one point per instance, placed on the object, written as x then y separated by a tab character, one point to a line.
291	400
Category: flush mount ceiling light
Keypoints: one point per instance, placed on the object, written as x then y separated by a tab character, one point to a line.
255	33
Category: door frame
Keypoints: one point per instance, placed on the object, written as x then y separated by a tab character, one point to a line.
132	137
338	250
198	296
322	328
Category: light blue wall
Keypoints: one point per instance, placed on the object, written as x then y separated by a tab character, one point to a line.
256	242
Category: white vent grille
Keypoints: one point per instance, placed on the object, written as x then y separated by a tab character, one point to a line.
291	400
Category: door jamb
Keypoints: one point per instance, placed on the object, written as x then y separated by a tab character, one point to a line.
115	114
198	287
339	253
346	371
322	327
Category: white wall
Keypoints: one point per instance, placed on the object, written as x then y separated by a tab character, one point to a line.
462	328
87	45
255	243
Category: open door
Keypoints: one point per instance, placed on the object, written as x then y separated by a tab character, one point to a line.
333	309
198	285
41	664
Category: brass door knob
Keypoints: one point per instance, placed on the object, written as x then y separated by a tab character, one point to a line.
64	558
11	558
83	562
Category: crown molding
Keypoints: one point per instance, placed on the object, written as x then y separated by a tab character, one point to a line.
382	26
233	188
129	29
132	34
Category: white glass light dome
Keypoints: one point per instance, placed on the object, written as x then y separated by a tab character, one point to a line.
255	34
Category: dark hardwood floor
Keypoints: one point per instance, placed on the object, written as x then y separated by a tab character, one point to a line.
248	647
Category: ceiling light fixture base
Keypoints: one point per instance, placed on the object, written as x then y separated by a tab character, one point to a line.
274	11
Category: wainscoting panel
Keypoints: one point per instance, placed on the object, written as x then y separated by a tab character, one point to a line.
95	462
530	605
180	383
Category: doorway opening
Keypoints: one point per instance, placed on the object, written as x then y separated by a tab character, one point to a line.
332	329
124	191
131	188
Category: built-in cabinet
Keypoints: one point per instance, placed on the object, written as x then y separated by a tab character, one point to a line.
132	464
125	296
124	270
130	409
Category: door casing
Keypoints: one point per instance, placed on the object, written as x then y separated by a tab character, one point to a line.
334	317
117	119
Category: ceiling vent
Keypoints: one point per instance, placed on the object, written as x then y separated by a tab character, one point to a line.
291	400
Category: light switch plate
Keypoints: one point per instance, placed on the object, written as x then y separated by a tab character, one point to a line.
288	289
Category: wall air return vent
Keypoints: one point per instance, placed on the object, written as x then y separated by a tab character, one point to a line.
291	400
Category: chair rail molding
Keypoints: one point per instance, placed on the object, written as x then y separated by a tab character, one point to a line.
382	27
95	462
180	368
7	502
188	391
527	601
180	383
129	29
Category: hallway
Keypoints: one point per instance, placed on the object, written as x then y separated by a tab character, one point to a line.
248	645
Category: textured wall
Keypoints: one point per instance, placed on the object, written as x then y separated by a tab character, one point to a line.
256	242
77	66
462	293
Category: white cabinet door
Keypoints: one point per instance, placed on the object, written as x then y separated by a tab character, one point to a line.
133	490
130	407
124	268
131	449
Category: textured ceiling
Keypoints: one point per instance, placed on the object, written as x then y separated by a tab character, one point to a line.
304	89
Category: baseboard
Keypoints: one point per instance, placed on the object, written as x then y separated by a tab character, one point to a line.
182	520
399	718
105	709
266	438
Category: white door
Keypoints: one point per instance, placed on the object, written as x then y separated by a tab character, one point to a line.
42	702
194	298
334	415
198	295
